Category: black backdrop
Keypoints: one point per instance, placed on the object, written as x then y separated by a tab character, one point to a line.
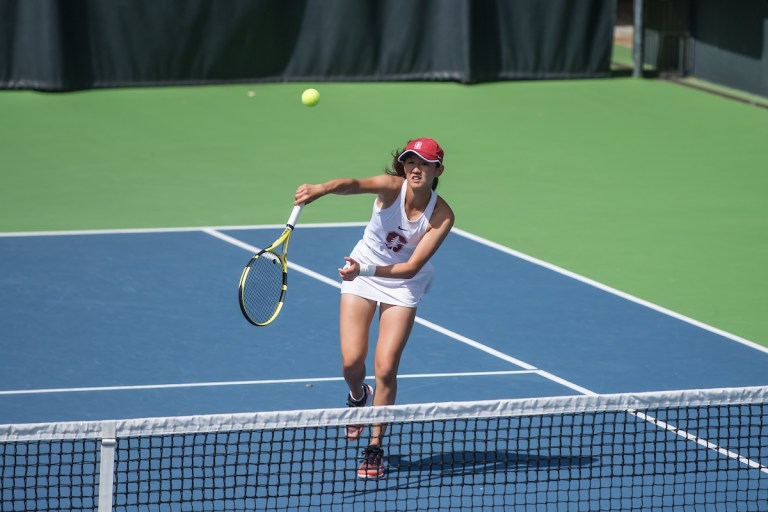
79	44
731	43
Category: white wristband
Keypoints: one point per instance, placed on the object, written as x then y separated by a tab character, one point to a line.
367	270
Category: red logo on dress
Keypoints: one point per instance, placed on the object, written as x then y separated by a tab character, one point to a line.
395	241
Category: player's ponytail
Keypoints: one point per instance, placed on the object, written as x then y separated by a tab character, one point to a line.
397	168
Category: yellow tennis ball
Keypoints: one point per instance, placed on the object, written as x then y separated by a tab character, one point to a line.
310	97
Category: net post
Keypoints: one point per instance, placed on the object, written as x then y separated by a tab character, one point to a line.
107	465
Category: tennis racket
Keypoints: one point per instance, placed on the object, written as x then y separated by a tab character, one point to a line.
265	278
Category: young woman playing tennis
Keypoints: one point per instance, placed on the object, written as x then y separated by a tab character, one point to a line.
388	267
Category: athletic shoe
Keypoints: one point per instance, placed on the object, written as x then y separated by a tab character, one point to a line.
372	465
353	432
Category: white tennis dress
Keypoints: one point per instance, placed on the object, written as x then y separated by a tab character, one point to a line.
391	238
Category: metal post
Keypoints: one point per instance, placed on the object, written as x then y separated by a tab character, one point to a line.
107	465
638	40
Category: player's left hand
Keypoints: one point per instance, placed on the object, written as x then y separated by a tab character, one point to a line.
350	271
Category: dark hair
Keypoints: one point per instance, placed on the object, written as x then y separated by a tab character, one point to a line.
398	169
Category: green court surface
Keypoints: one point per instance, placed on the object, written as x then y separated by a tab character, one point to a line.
646	186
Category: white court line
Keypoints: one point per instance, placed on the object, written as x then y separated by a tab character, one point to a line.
128	231
307	380
702	442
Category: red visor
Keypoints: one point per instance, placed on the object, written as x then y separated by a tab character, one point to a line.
426	149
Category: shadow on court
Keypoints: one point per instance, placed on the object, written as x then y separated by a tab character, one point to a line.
460	463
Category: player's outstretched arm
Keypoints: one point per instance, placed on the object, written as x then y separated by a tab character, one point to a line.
384	185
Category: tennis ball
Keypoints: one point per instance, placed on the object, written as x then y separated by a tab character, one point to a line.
310	97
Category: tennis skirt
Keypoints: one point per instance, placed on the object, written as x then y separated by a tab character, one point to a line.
401	292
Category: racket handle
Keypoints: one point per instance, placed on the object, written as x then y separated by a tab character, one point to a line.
294	216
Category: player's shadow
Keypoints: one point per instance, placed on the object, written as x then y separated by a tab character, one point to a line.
470	462
404	472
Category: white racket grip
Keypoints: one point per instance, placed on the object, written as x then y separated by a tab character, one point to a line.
294	216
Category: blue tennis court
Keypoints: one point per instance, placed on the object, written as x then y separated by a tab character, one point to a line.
136	324
145	323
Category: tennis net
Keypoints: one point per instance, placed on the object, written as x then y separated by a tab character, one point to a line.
681	450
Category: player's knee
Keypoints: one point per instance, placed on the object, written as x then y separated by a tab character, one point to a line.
352	364
386	374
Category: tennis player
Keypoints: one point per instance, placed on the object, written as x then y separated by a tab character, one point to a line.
389	268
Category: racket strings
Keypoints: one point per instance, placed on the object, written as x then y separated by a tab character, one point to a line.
263	288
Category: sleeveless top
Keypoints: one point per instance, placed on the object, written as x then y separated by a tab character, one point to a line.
389	238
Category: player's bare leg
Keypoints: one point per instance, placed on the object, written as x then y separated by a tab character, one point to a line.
395	324
356	314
